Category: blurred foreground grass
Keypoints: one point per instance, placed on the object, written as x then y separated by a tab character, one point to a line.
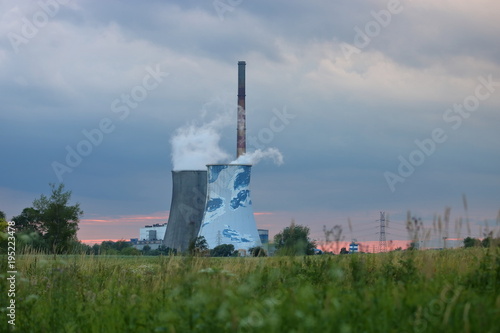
410	291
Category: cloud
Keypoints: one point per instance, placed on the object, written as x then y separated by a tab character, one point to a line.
125	219
354	117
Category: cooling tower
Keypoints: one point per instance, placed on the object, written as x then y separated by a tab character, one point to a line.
186	211
228	216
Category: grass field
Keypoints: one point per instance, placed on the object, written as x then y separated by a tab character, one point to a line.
410	291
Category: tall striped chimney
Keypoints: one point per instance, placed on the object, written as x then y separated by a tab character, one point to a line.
241	146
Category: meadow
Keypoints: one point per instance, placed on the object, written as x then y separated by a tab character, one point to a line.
401	291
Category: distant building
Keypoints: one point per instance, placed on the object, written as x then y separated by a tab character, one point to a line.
152	232
150	235
264	239
353	247
439	243
264	236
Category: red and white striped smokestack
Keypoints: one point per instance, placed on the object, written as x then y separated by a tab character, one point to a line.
241	146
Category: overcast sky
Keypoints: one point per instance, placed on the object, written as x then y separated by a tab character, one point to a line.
375	106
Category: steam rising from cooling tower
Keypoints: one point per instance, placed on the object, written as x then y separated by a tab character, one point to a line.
197	144
193	147
255	157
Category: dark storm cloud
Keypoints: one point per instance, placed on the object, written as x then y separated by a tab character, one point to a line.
353	116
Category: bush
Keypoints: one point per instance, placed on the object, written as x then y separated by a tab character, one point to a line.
130	251
257	251
223	250
294	240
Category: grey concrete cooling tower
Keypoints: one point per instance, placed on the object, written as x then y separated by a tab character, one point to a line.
189	193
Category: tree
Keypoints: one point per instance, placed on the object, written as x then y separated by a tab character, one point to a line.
489	240
166	251
294	240
114	248
471	242
162	250
28	221
78	247
198	246
130	251
122	245
146	249
257	251
58	220
108	248
3	232
96	249
223	250
413	246
29	230
3	222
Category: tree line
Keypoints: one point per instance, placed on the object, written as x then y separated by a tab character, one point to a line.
50	225
488	241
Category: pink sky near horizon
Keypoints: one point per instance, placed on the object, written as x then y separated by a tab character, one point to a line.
123	227
96	229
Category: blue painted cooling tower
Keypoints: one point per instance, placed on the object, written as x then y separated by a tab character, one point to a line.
228	216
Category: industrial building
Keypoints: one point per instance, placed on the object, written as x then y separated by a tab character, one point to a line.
264	236
353	247
150	235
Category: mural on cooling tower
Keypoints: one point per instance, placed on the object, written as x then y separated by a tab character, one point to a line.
228	216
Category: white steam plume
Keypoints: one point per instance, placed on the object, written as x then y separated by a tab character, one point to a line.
195	147
256	156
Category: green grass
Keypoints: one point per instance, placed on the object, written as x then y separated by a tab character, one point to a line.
411	291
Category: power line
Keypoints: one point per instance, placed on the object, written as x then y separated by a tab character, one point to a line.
382	241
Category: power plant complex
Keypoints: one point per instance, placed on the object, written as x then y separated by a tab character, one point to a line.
215	203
